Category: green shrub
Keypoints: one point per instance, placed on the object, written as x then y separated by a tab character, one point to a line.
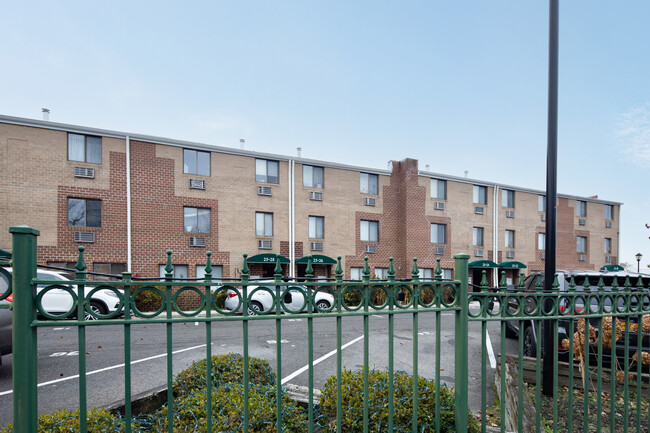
228	411
352	407
149	300
352	297
66	421
225	369
220	299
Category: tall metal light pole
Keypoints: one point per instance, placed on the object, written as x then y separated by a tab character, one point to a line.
638	263
551	194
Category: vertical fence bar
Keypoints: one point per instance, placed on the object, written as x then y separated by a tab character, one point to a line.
539	300
391	336
245	306
599	379
461	350
502	355
277	277
585	364
415	299
365	298
126	280
25	409
81	340
309	274
639	350
571	310
169	269
485	302
626	357
520	364
208	343
439	293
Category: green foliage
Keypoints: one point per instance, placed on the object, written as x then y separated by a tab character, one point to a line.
66	421
220	299
225	369
149	300
352	297
228	411
352	407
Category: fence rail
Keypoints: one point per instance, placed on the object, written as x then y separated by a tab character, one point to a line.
603	330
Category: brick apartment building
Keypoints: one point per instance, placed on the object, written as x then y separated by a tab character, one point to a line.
128	198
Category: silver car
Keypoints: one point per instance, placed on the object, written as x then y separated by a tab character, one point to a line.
262	297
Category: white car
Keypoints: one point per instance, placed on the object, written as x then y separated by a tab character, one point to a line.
293	299
59	301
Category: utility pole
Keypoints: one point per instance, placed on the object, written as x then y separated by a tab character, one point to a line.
551	195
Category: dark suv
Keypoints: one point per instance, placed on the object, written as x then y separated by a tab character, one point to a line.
613	301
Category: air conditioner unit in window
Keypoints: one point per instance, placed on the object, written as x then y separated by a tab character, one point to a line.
88	173
582	257
197	184
582	221
608	224
369	201
478	210
439	205
197	242
313	195
543	217
510	254
264	190
84	236
439	251
608	259
264	245
478	253
510	214
371	249
316	246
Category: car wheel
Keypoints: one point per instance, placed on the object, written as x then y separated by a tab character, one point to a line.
96	308
530	346
510	332
255	308
322	305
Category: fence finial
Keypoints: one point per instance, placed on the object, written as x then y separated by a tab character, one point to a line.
522	279
339	268
169	268
278	268
81	263
415	272
208	265
391	270
366	270
309	270
484	281
438	275
244	268
502	281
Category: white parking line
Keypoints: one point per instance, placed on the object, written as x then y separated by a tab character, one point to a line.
490	351
319	360
113	367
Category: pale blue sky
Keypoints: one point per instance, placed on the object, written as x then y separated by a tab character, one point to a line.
458	85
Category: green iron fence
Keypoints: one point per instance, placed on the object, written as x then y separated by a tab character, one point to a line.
620	308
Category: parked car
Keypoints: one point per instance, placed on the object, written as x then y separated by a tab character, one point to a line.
532	332
5	330
262	300
59	301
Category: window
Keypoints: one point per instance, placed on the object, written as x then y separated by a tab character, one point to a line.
508	198
581	244
426	273
180	271
217	272
84	148
266	171
381	273
369	231
356	273
84	212
480	195
541	203
541	241
478	236
447	274
368	183
608	245
510	238
196	162
312	177
263	224
438	233
316	230
581	208
196	219
439	189
609	212
108	268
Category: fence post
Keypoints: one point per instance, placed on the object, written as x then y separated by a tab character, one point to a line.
23	334
461	352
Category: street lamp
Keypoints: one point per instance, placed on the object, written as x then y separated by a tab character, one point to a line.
638	262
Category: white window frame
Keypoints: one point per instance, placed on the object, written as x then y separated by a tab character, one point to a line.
180	271
264	224
425	274
85	211
217	272
316	227
381	273
510	239
479	194
369	183
437	231
198	214
262	169
581	208
541	203
369	230
508	198
78	151
608	245
581	244
356	273
541	241
609	212
198	158
478	234
439	189
313	176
